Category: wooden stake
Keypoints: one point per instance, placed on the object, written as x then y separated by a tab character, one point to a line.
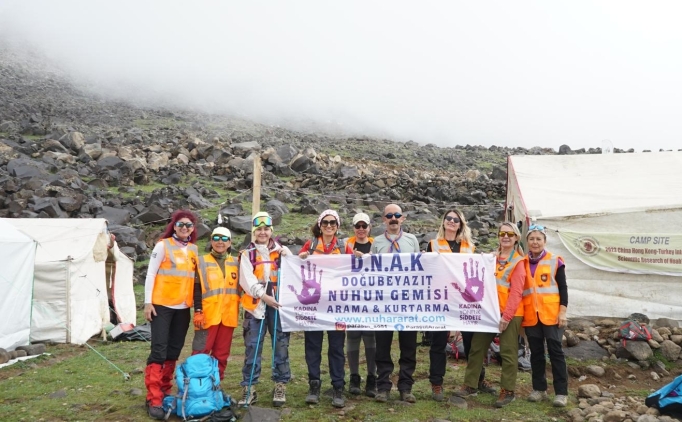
255	207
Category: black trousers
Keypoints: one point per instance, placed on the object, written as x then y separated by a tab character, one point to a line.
408	359
437	358
538	335
169	328
466	340
335	355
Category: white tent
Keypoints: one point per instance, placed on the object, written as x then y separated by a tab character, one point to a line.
71	290
615	219
17	255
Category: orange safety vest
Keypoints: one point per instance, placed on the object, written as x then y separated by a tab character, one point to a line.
219	295
503	274
249	302
351	241
174	282
442	246
541	292
317	247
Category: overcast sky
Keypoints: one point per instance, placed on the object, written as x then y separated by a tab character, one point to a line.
514	73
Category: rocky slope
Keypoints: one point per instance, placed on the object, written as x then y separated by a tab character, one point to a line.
66	152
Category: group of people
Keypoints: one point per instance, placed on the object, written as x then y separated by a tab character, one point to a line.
532	294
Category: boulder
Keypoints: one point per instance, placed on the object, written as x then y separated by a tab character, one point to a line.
114	215
666	322
637	350
670	350
589	391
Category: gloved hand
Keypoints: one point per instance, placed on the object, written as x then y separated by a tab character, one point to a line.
199	320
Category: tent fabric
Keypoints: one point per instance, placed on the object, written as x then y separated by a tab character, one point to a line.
17	256
70	301
574	185
609	193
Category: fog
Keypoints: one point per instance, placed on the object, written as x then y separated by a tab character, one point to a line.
522	73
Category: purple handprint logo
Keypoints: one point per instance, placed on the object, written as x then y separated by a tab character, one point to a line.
312	287
473	292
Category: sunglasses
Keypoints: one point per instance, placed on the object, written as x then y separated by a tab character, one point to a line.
325	223
506	234
218	238
361	226
536	227
182	224
390	215
453	219
262	221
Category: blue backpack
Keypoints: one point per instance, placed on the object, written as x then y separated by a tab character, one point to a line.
668	399
199	393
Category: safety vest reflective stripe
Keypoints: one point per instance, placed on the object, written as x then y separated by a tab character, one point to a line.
175	273
221	291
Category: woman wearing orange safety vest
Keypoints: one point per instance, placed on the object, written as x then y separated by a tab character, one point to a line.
510	275
168	295
325	242
454	236
545	299
258	277
216	300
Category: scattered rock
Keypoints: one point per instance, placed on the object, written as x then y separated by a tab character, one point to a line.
589	391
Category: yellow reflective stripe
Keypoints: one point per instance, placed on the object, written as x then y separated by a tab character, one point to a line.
203	274
176	273
218	292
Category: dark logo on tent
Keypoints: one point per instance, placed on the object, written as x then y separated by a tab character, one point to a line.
587	245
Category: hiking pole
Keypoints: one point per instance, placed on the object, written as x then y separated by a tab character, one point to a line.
274	335
253	364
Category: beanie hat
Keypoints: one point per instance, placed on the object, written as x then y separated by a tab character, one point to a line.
326	213
261	218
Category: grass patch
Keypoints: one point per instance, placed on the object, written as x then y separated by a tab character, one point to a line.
75	383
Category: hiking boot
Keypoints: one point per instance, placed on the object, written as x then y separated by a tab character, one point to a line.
155	412
437	392
505	398
560	401
485	387
354	387
536	396
248	397
382	396
313	396
407	396
371	386
466	391
338	400
279	396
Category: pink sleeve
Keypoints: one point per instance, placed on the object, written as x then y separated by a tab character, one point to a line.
518	278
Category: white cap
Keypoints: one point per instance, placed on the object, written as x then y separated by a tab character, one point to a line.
222	231
361	216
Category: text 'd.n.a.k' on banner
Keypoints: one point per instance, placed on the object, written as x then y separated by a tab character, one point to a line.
402	291
635	253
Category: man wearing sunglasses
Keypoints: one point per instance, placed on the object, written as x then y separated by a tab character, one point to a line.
395	240
361	244
216	300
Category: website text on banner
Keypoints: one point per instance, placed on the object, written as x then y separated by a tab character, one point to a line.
402	291
635	253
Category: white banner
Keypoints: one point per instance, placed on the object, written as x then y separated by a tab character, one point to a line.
411	292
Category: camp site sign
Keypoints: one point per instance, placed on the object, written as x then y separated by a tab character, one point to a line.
401	291
637	253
